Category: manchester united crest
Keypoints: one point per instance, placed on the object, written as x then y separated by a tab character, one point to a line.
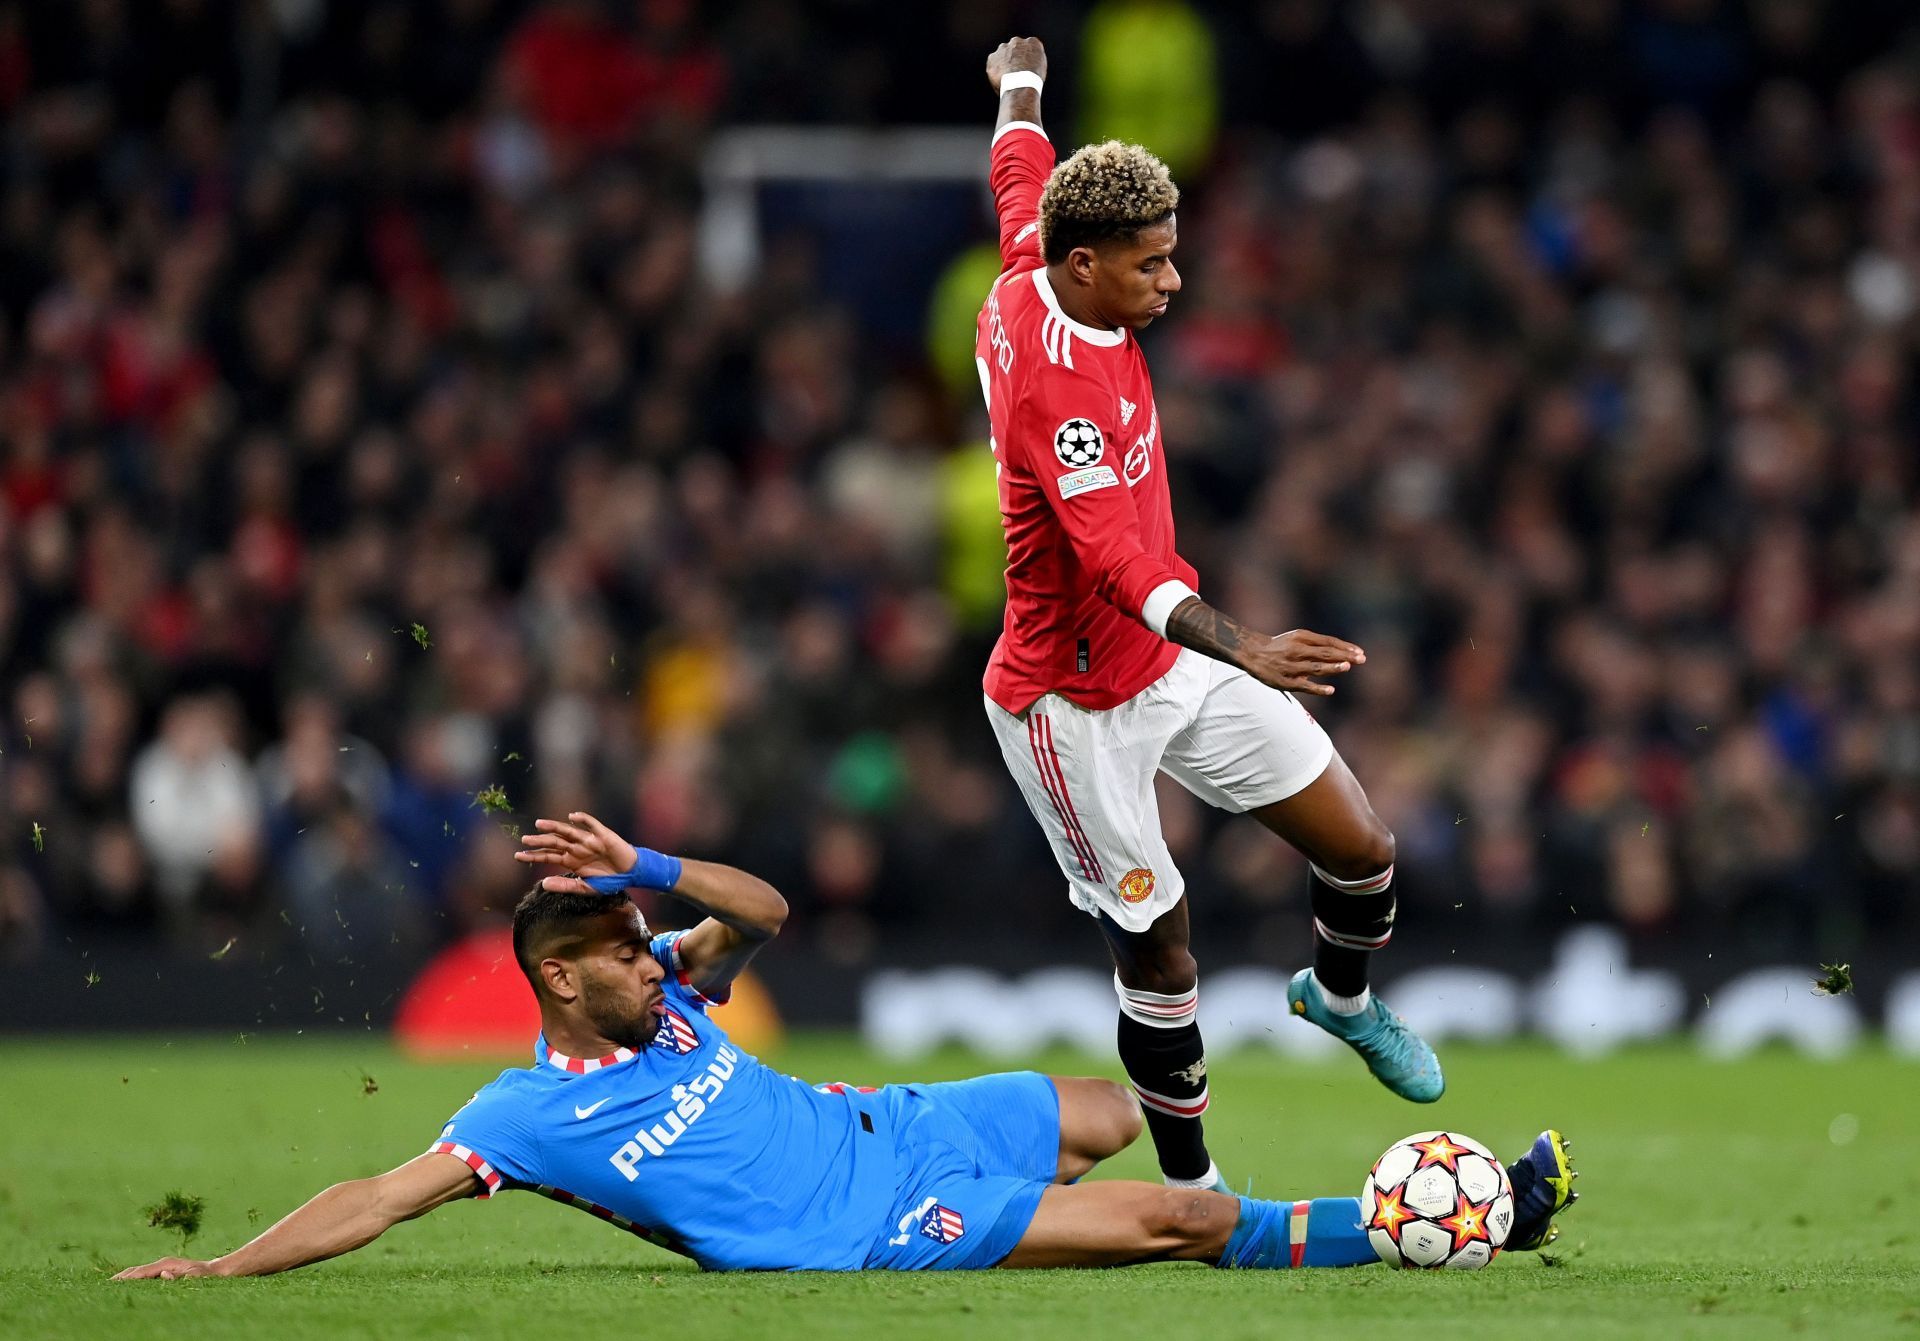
1136	886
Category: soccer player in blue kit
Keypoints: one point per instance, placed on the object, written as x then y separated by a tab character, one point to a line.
639	1110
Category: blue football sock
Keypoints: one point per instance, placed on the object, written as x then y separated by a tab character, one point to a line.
1324	1232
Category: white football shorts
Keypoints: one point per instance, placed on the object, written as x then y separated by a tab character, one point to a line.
1088	774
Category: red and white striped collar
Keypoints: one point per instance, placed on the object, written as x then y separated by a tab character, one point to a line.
581	1066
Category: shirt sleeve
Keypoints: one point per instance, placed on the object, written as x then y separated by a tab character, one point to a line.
1063	437
678	984
1018	167
493	1137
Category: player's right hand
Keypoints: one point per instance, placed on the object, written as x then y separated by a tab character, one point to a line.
582	845
169	1268
1016	53
1295	660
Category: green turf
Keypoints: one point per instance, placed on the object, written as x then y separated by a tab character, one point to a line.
1718	1204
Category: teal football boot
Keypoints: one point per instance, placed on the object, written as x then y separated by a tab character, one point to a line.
1399	1058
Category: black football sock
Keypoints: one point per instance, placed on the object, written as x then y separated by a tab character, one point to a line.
1351	919
1161	1049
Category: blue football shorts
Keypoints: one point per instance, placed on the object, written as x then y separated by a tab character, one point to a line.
976	1155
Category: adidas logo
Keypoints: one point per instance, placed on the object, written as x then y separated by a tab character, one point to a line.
1127	408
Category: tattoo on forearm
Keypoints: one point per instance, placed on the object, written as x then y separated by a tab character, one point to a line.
1198	625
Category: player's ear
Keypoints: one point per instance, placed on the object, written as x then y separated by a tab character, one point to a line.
557	974
1080	264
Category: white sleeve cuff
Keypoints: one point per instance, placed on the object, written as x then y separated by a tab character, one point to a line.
1019	125
1161	602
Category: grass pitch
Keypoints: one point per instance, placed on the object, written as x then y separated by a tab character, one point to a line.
1768	1197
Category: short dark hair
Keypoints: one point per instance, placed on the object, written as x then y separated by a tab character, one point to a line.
1103	193
541	908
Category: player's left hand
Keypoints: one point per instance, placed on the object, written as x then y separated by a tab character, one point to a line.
1292	660
170	1268
580	845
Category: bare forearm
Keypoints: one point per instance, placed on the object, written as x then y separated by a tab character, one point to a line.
344	1217
1019	104
1293	661
746	903
1198	625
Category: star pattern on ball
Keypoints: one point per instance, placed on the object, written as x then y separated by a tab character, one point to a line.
1467	1224
1390	1212
1441	1150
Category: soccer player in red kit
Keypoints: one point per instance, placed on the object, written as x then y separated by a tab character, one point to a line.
1110	668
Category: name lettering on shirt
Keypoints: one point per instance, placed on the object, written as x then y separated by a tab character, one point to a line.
997	336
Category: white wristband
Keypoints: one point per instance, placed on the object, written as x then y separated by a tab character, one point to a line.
1161	602
1014	79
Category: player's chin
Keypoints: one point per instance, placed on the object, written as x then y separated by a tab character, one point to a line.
1148	317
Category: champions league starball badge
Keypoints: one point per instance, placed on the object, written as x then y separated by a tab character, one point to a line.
1078	443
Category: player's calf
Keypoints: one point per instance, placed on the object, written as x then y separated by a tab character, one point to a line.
1352	920
1165	1058
1119	1223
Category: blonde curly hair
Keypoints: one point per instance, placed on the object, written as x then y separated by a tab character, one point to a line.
1104	191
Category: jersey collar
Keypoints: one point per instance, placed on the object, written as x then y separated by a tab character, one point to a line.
1093	335
580	1066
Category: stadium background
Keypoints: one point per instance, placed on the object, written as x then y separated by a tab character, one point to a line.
381	422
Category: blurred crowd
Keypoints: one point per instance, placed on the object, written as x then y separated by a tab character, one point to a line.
378	471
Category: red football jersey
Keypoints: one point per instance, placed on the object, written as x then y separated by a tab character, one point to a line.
1083	484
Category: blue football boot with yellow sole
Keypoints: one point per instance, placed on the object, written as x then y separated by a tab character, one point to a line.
1542	1188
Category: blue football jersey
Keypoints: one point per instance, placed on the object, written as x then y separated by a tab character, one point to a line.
691	1143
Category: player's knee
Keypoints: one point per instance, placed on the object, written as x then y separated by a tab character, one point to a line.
1123	1119
1168	971
1370	852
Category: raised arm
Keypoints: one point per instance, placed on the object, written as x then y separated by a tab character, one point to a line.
1288	661
1022	103
743	912
344	1217
1021	156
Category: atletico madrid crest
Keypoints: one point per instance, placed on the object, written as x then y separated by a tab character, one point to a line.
942	1224
675	1034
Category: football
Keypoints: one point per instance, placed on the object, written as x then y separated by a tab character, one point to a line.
1437	1199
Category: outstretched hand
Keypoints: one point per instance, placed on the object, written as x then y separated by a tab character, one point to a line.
1016	53
169	1268
580	845
1291	661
